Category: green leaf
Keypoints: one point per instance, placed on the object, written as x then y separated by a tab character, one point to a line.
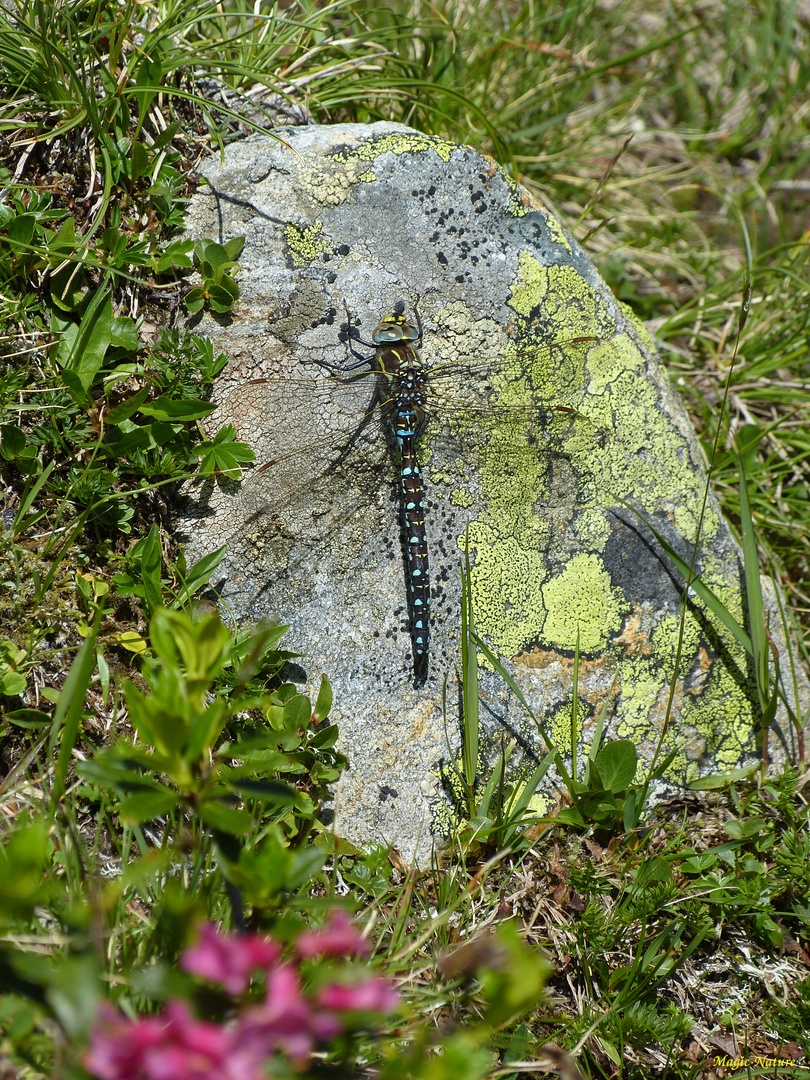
174	254
696	864
617	763
21	229
24	859
148	79
146	806
150	566
12	683
28	718
233	247
199	575
223	294
272	791
139	160
69	709
124	334
64	242
129	407
654	870
195	299
200	644
224	455
744	829
305	865
108	769
225	818
168	409
720	780
323	703
83	346
67	287
206	727
12	441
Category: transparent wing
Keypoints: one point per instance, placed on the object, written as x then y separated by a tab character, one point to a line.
324	440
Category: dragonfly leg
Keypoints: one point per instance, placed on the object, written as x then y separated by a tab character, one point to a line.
350	335
418	321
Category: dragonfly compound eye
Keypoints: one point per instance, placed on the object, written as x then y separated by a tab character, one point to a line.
387	332
394	329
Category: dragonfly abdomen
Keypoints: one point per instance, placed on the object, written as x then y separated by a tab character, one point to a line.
416	540
405	372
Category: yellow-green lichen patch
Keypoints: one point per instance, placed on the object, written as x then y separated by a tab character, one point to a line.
610	358
712	700
447	820
566	298
560	727
581	600
520	202
540	804
644	680
505	581
462	498
556	230
593	529
638	326
719	692
722	717
306	243
367	177
643	459
404	143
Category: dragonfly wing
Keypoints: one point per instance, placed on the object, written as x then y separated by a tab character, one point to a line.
320	449
544	455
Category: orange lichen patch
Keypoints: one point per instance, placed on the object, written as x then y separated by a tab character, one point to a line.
538	659
595	684
635	639
699	675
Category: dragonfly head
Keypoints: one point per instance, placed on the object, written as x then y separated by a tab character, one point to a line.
393	329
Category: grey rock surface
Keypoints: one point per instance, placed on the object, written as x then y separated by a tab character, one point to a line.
551	428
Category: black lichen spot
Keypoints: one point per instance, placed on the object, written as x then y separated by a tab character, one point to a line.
331	277
442	258
386	792
344	249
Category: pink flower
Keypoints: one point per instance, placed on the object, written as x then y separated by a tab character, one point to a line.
374	995
286	1021
191	1048
340	938
175	1046
118	1045
229	960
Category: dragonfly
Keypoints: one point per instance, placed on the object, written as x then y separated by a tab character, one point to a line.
486	412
